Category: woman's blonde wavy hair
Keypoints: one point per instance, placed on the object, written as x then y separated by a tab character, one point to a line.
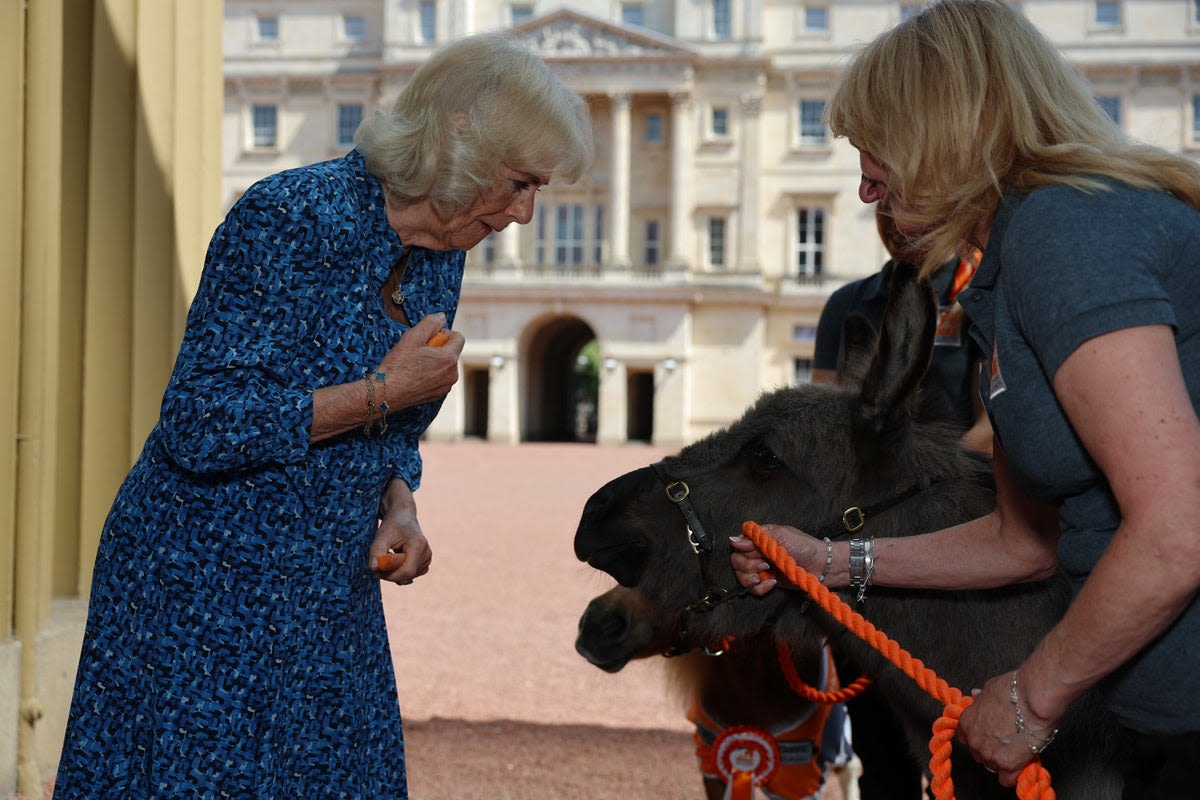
478	103
967	98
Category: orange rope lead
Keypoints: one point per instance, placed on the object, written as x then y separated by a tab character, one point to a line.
811	693
1034	781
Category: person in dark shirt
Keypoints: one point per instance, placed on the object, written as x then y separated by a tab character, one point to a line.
950	393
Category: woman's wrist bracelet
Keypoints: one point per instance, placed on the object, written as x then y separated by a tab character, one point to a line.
380	377
369	423
824	570
862	565
1030	738
828	559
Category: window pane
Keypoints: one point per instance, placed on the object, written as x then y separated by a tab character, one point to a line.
539	235
816	18
354	28
489	248
568	234
265	125
1108	13
802	370
654	128
721	26
268	29
652	243
1196	117
716	241
633	14
804	333
521	13
428	12
812	129
348	117
1111	106
720	122
810	238
598	236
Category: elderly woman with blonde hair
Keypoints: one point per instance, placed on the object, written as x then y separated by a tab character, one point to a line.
235	644
973	131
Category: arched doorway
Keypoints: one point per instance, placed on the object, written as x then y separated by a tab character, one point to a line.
560	387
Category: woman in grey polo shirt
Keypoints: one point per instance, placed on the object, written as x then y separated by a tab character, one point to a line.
1087	307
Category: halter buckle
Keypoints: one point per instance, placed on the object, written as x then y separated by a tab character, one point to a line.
677	491
712	598
853	519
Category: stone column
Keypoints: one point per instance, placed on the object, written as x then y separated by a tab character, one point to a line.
503	424
748	256
612	414
618	256
680	257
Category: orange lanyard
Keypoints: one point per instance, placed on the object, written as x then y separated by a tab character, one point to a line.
964	272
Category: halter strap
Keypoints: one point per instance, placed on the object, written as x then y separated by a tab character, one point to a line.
679	494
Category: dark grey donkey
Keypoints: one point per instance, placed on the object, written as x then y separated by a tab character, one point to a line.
802	455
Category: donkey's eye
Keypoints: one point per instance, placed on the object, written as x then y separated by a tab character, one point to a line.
763	458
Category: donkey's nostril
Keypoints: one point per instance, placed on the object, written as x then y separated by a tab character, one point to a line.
603	627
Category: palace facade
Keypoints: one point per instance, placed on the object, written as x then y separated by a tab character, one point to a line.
719	214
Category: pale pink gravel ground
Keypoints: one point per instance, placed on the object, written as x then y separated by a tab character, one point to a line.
496	702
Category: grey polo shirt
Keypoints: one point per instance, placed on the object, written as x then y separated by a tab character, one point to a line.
1063	266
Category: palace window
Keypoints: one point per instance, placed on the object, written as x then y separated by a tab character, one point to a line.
349	115
716	242
427	21
264	122
267	29
812	130
721	20
809	246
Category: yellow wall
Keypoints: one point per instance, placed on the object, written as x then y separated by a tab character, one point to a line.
109	159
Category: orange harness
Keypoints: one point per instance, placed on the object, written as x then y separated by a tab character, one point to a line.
800	771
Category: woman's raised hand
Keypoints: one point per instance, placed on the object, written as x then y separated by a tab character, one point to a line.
420	370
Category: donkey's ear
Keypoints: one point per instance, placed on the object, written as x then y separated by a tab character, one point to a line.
858	345
891	385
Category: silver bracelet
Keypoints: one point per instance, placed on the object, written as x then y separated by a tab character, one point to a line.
1022	728
862	565
828	559
824	571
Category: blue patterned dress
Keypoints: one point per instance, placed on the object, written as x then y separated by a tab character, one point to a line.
235	643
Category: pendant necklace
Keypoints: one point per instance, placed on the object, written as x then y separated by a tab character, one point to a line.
399	269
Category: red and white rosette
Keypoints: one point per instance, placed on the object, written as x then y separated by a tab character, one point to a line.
745	757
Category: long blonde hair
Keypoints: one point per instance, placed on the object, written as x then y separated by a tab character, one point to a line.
968	98
479	102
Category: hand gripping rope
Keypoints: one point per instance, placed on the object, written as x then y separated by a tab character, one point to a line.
1034	781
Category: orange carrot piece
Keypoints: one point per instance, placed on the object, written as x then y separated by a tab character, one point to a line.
389	561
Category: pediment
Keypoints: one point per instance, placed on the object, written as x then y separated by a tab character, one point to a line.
570	34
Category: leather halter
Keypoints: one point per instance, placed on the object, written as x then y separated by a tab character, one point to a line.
702	545
853	519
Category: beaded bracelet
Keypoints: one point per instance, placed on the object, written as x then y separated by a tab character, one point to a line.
1022	728
824	571
828	559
